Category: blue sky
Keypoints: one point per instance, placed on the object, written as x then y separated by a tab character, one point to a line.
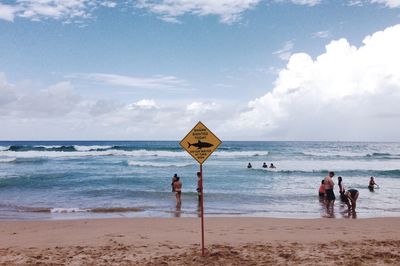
87	69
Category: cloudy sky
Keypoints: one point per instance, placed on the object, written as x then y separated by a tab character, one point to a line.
248	69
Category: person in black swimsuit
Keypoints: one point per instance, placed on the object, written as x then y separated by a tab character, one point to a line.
351	199
341	189
372	184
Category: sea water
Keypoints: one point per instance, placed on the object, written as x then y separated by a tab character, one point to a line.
93	179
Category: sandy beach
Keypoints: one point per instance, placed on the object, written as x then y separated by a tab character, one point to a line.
176	241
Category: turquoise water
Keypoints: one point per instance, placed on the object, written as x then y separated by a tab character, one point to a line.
68	180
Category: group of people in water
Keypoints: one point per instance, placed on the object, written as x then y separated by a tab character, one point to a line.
325	192
176	186
263	166
348	197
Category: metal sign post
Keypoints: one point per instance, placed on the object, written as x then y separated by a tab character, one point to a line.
200	142
202	209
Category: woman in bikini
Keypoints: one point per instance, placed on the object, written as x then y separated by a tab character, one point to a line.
178	191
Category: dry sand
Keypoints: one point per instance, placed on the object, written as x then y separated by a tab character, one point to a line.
175	241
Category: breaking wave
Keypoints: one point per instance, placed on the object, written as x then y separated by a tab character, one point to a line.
7	160
160	165
87	151
71	210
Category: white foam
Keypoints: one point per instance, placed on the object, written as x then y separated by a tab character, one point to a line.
7	160
364	153
231	154
154	164
48	146
135	153
67	210
324	165
60	154
335	153
4	148
92	147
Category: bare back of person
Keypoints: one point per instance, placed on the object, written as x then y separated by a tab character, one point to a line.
177	186
178	191
328	183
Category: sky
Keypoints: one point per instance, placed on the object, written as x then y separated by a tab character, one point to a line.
290	70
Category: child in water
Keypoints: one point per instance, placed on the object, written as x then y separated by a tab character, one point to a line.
321	191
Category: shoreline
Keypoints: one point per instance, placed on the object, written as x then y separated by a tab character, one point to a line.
177	241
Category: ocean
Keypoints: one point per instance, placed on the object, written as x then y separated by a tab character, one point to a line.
100	179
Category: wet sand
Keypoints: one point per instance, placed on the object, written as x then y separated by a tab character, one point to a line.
176	241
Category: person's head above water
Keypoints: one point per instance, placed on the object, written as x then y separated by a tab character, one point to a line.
372	178
198	174
339	178
331	174
175	175
322	181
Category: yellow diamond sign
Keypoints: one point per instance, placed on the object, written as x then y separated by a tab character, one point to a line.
200	142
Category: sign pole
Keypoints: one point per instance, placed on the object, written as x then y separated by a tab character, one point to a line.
200	142
202	209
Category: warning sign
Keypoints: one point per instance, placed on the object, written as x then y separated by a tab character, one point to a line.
200	142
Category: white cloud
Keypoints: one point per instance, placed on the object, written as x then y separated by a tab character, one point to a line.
110	4
71	10
66	10
144	104
57	112
306	2
55	9
7	12
156	82
300	2
56	100
345	93
388	3
228	10
285	52
201	107
354	3
7	91
324	34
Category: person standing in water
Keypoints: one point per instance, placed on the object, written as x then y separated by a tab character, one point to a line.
330	195
173	181
178	191
341	189
372	184
321	191
249	166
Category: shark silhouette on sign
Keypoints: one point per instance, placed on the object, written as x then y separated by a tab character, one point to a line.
199	145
